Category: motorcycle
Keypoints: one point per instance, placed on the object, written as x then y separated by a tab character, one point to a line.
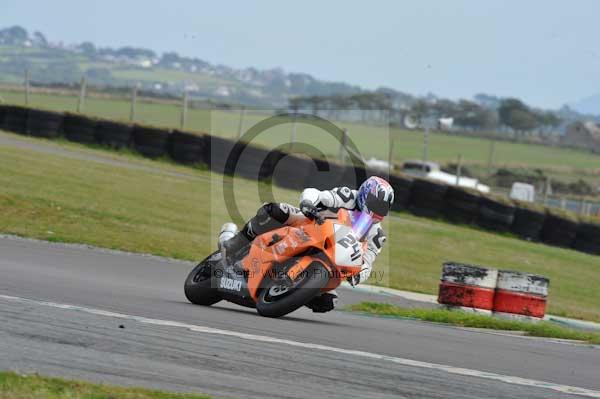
284	269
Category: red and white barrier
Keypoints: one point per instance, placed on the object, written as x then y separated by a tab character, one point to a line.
520	294
469	287
503	293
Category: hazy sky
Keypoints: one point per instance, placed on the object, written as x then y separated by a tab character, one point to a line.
546	52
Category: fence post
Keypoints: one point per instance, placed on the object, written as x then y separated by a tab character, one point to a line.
491	156
546	189
458	169
343	144
391	157
82	89
563	203
293	134
425	146
26	86
241	124
184	109
581	206
133	103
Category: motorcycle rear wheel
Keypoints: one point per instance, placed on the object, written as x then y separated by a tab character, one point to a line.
198	286
276	300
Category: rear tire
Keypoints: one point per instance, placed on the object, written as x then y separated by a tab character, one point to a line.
198	285
312	281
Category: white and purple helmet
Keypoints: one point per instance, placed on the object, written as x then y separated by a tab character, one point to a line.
376	197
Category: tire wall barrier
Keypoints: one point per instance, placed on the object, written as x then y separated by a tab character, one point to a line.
461	206
44	123
79	129
587	238
427	198
402	185
501	292
151	142
421	196
528	223
15	119
291	172
467	286
113	134
255	163
495	214
188	148
559	231
521	294
220	151
2	115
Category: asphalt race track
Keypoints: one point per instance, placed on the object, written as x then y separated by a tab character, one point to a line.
120	318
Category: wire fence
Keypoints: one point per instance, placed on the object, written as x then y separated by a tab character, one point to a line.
485	156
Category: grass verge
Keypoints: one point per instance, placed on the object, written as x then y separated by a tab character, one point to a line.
369	139
464	319
15	386
63	192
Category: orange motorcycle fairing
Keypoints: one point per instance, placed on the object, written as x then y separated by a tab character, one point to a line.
298	247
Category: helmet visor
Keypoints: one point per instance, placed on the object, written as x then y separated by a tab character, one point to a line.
377	204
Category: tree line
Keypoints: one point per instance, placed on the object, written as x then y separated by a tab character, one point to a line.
483	113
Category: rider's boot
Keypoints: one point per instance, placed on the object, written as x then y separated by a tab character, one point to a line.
231	243
228	231
269	217
324	302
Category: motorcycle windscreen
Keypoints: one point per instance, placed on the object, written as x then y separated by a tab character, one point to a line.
361	224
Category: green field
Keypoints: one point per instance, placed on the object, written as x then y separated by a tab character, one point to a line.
16	386
370	140
170	210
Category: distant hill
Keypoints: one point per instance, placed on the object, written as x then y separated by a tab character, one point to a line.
589	105
56	62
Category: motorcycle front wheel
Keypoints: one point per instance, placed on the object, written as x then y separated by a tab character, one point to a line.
280	297
198	285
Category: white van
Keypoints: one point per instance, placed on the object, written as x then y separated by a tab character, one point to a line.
432	170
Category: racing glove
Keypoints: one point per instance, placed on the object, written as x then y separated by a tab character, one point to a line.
308	209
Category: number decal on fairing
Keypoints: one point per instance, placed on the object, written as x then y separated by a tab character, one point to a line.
349	240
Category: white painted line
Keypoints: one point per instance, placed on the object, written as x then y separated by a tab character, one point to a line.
374	289
262	338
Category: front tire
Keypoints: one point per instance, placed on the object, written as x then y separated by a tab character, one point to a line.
198	285
276	300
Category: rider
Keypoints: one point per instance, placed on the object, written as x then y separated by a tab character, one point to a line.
375	196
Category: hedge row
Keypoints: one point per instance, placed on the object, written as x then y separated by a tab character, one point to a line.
420	196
